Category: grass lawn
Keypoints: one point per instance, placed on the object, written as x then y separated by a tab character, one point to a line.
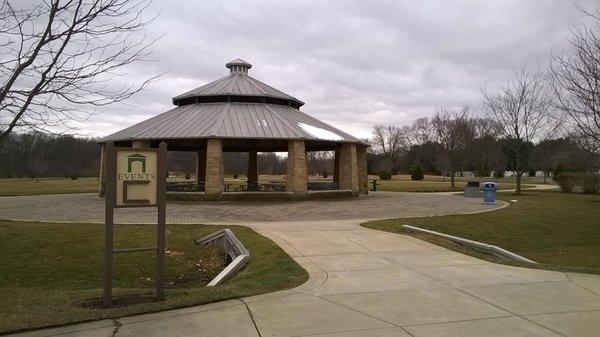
27	186
51	273
559	231
431	186
526	179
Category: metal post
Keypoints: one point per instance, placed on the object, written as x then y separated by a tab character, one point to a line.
160	229
102	173
109	201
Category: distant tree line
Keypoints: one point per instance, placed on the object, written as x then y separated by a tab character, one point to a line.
38	154
451	145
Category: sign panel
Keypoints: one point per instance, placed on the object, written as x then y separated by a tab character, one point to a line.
134	178
137	173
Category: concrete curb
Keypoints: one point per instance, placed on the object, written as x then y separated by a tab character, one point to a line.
480	246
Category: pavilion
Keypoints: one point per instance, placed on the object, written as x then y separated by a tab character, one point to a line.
238	113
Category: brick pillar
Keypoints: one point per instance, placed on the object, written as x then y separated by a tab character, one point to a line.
297	171
252	171
361	158
336	166
101	173
214	169
349	168
200	166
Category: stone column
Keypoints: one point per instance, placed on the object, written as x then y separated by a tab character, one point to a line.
200	166
336	166
348	168
297	171
101	173
214	182
252	171
361	158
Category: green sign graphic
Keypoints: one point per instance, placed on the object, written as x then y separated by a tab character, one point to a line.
136	158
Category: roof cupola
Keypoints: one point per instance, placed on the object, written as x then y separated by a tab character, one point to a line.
238	87
238	66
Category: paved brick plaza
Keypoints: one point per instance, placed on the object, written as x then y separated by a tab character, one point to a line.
89	208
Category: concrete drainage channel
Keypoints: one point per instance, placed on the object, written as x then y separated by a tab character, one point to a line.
476	245
235	250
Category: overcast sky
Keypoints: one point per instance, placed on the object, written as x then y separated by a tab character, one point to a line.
354	63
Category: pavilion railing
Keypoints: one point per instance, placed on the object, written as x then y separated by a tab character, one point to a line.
323	186
272	186
185	186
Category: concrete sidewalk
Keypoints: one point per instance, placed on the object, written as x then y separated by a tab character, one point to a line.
368	283
540	187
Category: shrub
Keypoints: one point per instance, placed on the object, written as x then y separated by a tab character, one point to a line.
417	173
532	172
325	174
498	174
187	176
73	176
590	183
566	181
384	175
235	176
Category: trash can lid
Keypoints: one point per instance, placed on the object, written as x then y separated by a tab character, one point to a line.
490	184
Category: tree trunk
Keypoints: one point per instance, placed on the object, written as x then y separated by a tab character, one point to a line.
519	174
452	182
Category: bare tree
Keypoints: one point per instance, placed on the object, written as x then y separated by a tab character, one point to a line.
421	132
575	80
590	147
521	109
544	156
390	142
485	127
59	55
484	149
453	131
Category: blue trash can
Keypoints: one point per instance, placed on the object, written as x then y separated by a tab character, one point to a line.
489	193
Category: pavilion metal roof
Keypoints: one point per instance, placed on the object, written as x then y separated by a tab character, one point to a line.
237	106
230	120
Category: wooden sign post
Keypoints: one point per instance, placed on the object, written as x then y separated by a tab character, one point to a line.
134	178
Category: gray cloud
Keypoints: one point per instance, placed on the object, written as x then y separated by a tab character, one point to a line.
355	63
